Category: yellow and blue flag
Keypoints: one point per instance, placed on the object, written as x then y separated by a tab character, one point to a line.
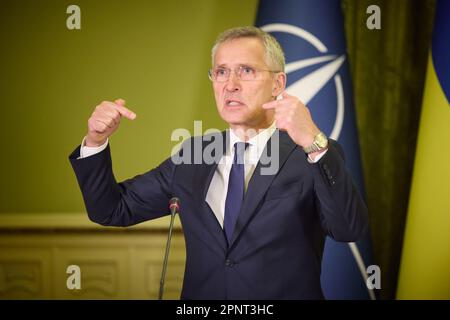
425	264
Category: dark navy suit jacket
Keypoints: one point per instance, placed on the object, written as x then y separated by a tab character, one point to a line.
279	236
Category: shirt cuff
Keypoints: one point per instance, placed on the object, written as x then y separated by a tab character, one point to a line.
318	157
90	151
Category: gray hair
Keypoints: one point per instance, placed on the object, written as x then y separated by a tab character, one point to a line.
274	54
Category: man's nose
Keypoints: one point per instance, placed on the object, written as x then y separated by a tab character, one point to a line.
233	82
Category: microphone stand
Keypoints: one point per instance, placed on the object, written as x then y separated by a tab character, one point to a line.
174	206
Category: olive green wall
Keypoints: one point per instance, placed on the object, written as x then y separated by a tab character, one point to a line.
154	54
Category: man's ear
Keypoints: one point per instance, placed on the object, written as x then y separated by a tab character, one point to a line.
279	84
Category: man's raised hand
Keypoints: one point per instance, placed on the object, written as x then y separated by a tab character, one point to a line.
293	116
105	120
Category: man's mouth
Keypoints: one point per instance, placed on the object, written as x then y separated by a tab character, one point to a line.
233	103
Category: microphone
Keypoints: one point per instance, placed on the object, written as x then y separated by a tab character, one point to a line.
174	206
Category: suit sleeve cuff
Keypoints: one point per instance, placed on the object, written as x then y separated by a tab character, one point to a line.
90	151
318	157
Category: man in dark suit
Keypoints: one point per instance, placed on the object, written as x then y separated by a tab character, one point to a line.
255	219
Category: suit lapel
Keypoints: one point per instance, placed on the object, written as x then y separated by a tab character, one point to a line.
204	175
259	183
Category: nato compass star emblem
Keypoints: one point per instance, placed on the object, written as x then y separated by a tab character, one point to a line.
308	86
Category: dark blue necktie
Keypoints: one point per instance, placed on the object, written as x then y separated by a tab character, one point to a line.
235	192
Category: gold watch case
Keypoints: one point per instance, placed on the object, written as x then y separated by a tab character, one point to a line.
320	142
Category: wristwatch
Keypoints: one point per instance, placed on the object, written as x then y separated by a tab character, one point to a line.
320	142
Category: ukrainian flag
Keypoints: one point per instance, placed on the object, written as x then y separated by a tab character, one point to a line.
425	264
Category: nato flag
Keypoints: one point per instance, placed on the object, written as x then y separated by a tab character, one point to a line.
311	33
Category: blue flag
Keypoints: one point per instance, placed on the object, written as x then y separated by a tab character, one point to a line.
311	33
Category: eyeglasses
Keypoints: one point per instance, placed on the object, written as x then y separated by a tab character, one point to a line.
243	73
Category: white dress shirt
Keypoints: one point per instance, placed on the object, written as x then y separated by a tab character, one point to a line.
217	191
